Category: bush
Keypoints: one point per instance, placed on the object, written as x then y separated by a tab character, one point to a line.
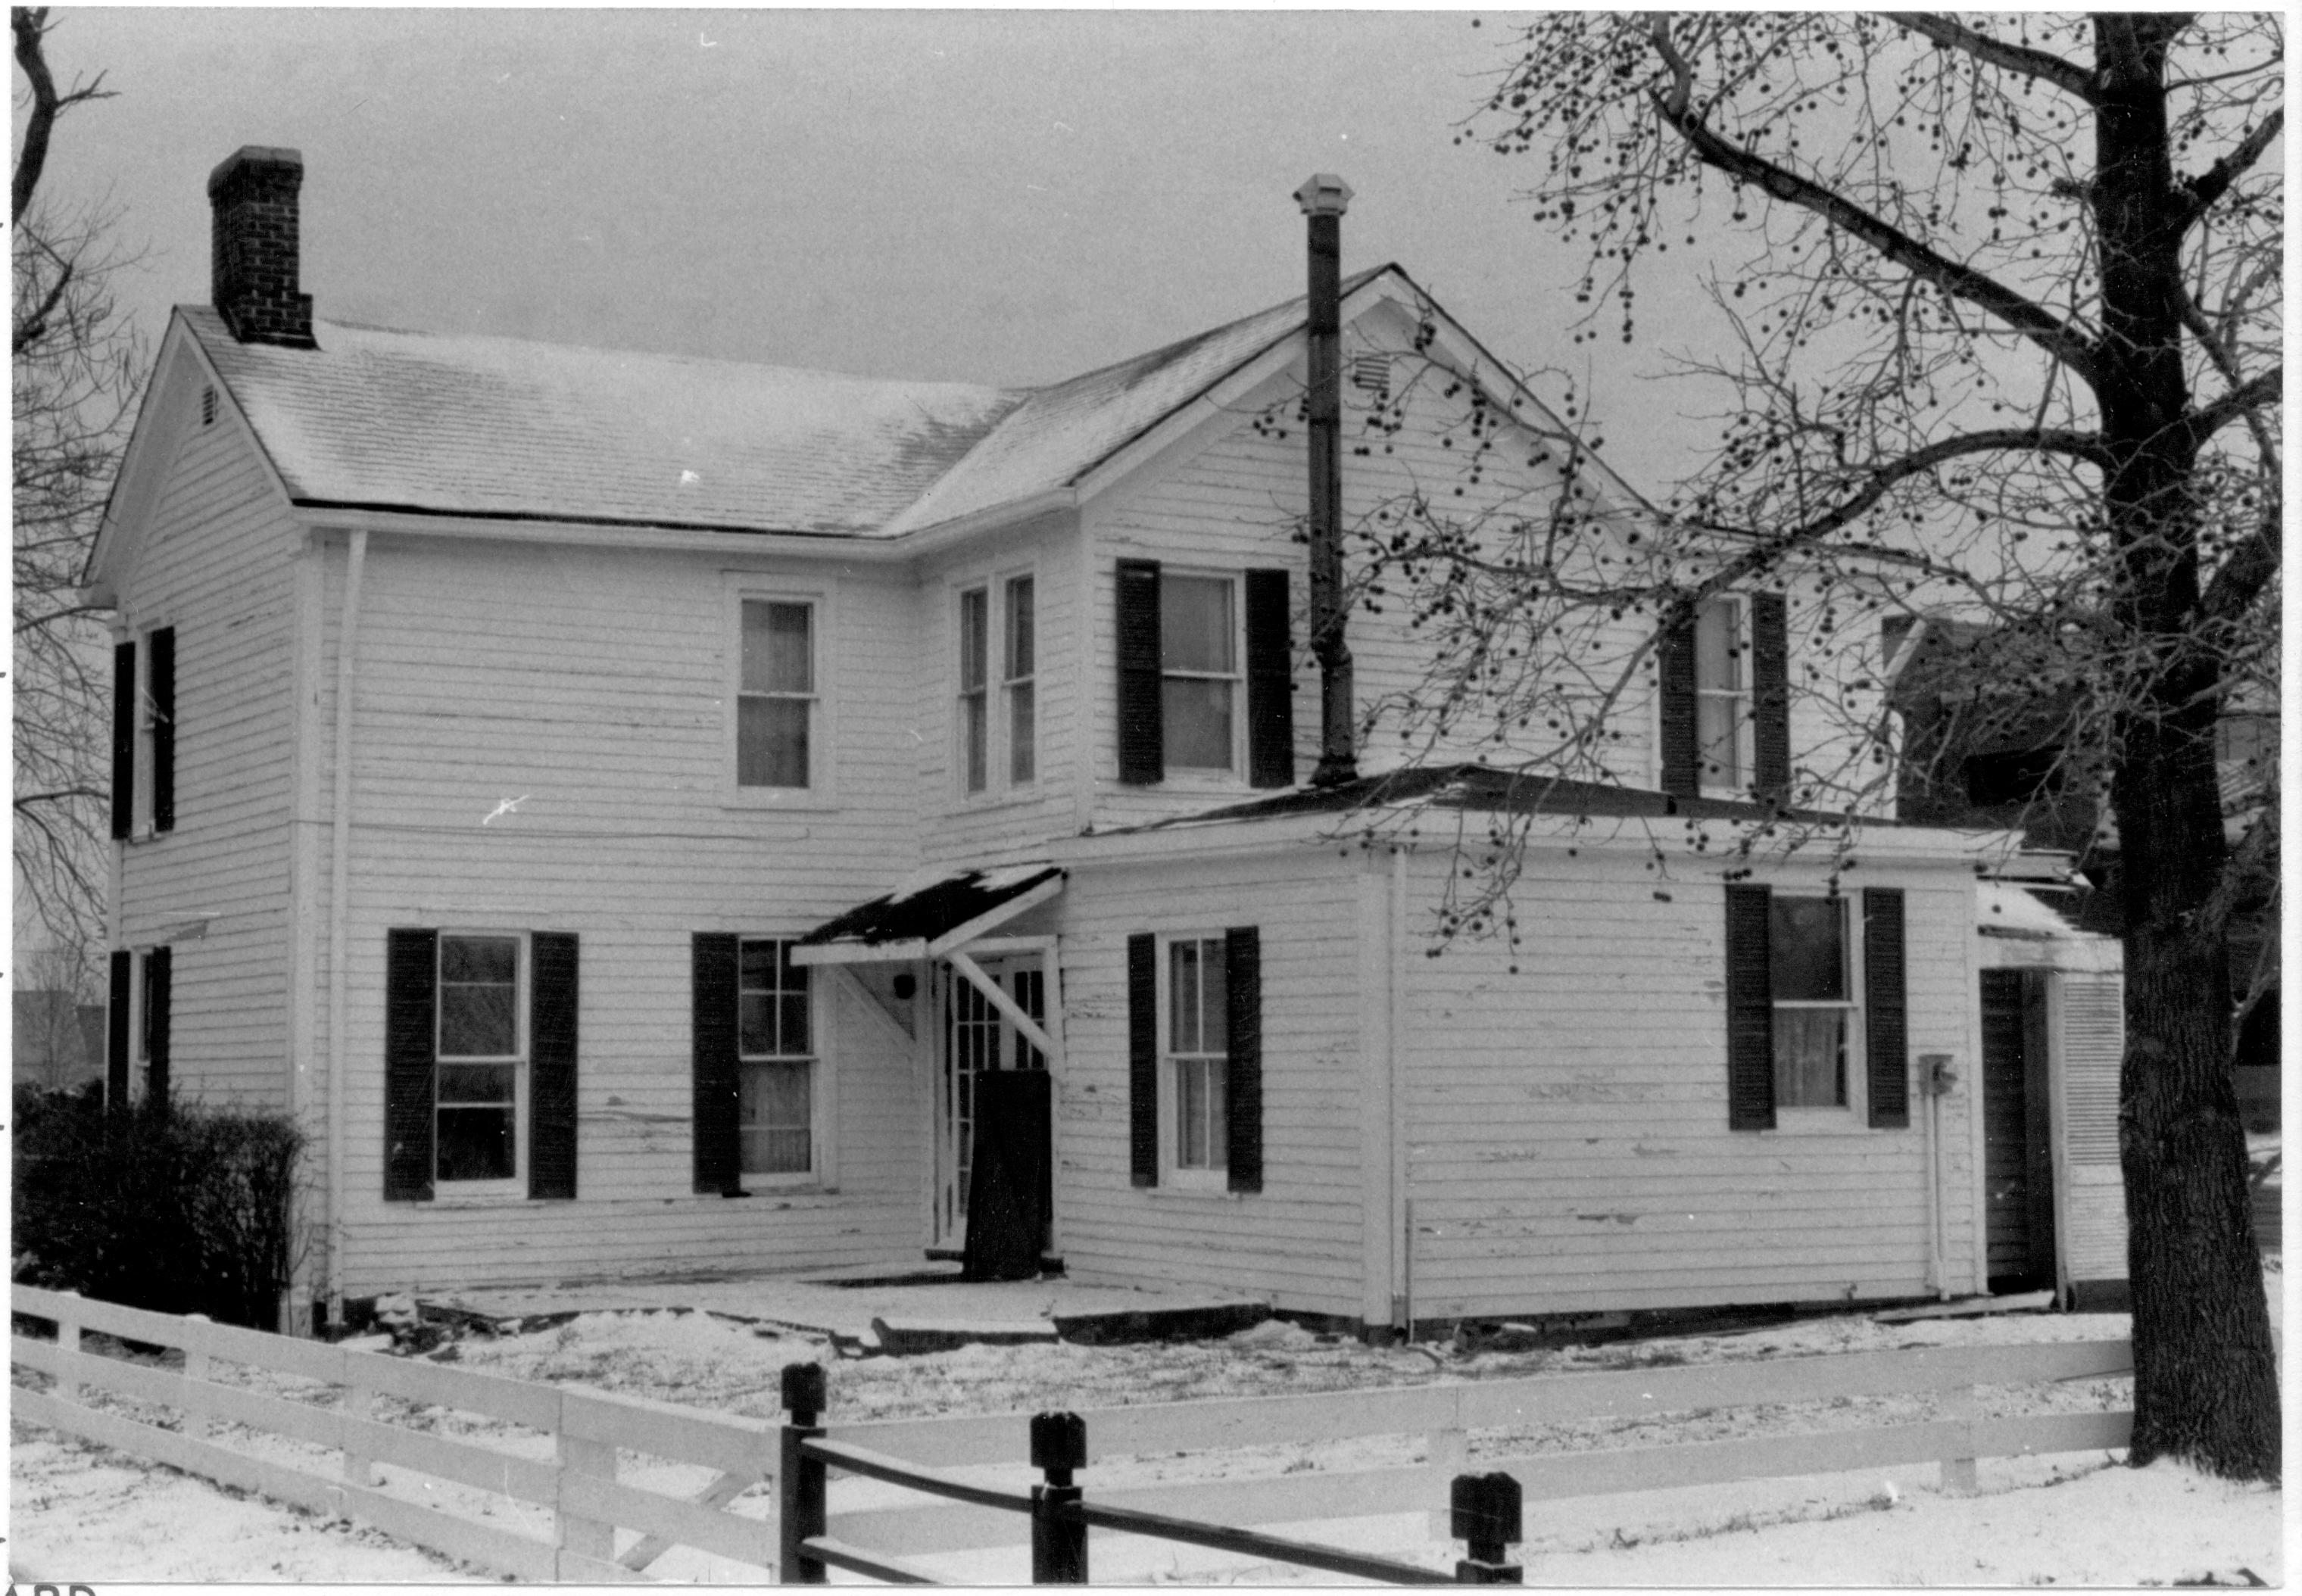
182	1210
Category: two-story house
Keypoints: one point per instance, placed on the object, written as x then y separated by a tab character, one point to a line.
647	814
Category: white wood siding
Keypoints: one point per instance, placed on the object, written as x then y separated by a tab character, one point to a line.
217	566
1567	1148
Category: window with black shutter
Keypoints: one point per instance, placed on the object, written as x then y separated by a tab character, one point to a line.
1797	1017
1724	692
1194	1060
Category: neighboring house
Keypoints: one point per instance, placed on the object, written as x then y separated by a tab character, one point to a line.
639	810
56	1041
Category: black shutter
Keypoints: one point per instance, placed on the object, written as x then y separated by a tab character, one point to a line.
718	1146
1243	1073
1749	1012
411	986
1142	733
552	1065
1770	698
123	738
1887	1045
1143	1058
119	1038
1682	751
1270	682
163	690
159	981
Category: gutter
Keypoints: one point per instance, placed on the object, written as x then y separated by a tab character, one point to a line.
340	916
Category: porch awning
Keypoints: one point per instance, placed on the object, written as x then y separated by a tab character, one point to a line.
930	915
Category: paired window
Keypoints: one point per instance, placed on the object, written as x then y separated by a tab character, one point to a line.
144	734
479	1064
774	1032
1013	725
1204	675
1724	722
777	704
138	1024
1804	1030
1195	1046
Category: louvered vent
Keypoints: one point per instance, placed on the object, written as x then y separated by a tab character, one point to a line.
2094	1038
1370	373
207	406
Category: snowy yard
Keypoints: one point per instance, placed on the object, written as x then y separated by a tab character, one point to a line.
83	1513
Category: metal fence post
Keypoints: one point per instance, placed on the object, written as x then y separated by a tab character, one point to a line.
800	1479
1058	1542
1485	1510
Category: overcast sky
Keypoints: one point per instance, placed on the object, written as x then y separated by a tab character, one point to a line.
991	196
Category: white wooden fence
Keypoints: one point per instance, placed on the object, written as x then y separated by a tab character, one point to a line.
585	1502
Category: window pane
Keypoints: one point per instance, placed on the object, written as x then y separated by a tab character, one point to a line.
774	1117
475	1144
479	959
756	1024
1202	1133
972	638
1195	628
771	742
760	965
1022	728
1809	1058
1717	725
791	1034
1023	642
478	1083
1215	1022
778	653
1806	946
1717	652
979	741
478	1021
1183	998
1197	714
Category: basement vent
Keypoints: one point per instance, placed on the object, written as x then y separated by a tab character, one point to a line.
1370	373
207	406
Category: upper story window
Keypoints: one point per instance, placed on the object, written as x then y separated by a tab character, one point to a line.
776	1061
144	734
776	702
1004	738
482	1059
1198	671
1722	689
1813	1000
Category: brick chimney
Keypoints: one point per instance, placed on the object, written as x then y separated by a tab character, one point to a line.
1323	199
255	259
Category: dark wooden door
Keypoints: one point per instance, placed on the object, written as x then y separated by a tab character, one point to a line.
2018	1168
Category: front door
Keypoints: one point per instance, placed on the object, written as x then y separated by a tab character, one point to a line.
975	1037
2017	1165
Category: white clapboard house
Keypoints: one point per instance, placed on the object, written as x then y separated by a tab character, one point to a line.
636	811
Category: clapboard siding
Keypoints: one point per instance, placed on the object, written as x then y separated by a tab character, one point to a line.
217	566
1297	1241
1567	1146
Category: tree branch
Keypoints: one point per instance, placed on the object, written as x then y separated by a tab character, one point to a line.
2025	316
2200	192
2065	75
2267	389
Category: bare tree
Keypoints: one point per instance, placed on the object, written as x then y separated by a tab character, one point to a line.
74	373
2003	346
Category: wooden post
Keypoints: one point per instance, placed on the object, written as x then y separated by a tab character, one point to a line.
195	1367
579	1456
1962	1408
359	1403
800	1480
1486	1508
67	1389
1058	1543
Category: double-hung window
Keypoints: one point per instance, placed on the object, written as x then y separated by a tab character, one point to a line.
776	1061
777	705
1198	1047
144	734
1001	736
974	690
1198	672
1022	685
480	1048
1722	695
1813	1000
1816	1009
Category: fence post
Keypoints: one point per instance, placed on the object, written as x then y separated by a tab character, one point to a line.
800	1479
195	1367
580	1456
1485	1510
1058	1541
67	1388
359	1403
1962	1408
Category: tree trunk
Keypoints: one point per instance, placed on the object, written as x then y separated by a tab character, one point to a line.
2205	1384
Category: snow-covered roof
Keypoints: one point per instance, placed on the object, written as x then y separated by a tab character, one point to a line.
500	426
927	908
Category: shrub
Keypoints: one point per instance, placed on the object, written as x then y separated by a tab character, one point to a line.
182	1210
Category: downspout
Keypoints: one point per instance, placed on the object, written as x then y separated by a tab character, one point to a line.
1404	1216
338	918
1323	199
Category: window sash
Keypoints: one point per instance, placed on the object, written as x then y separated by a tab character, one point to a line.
775	695
774	1016
1198	1050
775	1125
1020	665
1722	694
1202	1119
1809	963
479	1059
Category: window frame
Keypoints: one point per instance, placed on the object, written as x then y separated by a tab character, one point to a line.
514	1185
819	1174
995	585
1741	701
1210	775
1174	1175
143	801
1013	683
820	793
975	733
1855	1111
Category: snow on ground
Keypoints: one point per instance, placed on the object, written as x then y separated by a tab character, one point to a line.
82	1513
